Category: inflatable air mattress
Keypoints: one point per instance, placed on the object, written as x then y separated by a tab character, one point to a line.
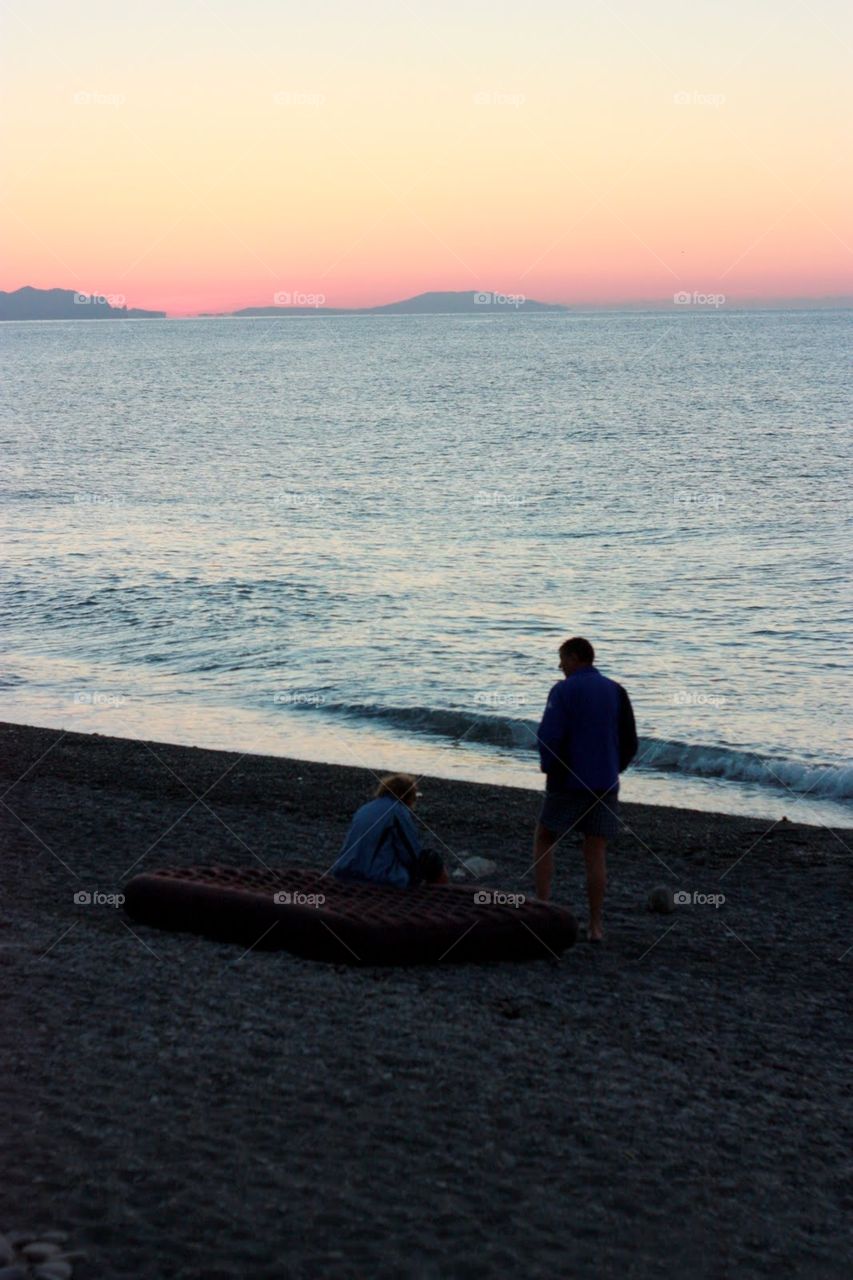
320	918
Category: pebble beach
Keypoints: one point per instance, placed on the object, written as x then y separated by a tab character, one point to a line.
671	1103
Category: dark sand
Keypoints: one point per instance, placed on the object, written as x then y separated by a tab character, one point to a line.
671	1105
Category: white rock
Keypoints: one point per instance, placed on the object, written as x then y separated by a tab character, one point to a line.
479	867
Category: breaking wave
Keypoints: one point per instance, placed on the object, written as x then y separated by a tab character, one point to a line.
658	754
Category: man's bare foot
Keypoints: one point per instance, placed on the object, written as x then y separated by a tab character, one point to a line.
595	931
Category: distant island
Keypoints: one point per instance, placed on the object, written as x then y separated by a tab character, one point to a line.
65	304
468	302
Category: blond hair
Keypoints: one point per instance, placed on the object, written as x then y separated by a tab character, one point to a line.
402	786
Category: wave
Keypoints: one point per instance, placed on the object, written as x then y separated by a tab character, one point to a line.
655	754
703	761
475	726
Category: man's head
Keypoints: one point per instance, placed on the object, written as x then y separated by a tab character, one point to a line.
402	786
574	654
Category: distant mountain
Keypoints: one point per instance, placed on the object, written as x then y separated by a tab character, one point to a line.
65	304
468	303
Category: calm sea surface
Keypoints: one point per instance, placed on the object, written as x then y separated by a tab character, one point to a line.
362	540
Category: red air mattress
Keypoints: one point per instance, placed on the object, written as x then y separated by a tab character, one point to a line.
316	916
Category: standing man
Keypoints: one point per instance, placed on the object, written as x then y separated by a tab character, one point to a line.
586	738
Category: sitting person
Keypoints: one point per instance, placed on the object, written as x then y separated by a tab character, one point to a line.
382	845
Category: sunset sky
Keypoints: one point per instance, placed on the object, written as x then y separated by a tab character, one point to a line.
209	154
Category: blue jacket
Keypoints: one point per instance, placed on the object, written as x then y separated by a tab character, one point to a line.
587	734
382	846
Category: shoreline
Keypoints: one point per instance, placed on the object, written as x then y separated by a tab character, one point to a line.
188	1110
534	786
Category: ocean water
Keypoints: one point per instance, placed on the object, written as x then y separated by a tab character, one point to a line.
362	539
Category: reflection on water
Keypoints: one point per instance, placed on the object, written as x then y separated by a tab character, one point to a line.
248	532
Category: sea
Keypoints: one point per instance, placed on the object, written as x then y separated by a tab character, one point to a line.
362	539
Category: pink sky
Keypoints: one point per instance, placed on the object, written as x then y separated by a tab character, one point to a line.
212	157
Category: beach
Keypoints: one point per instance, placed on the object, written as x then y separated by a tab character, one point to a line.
670	1103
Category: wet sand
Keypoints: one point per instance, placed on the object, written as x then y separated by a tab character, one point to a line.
673	1103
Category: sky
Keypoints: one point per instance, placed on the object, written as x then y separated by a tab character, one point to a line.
202	155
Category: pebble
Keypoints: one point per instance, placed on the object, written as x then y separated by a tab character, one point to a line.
56	1237
7	1253
40	1251
59	1269
508	1008
661	900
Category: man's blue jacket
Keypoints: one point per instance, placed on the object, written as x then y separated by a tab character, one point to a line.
587	735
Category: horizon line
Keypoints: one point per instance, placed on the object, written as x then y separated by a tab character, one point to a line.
681	300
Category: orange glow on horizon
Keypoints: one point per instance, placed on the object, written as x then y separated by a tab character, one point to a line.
212	159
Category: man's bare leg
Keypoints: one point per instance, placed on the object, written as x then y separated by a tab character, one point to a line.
594	850
543	860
